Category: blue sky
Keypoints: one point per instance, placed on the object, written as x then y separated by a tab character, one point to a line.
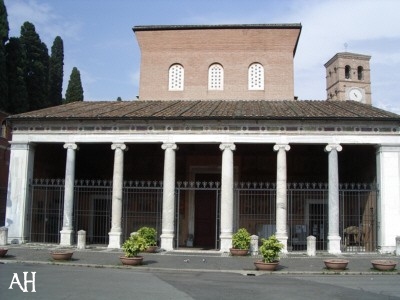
99	41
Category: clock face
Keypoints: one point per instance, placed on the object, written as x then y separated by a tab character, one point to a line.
355	95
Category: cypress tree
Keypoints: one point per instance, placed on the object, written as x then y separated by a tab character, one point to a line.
56	72
36	68
17	94
4	29
74	90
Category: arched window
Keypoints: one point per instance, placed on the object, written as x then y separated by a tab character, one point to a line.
176	77
360	71
256	77
347	72
216	77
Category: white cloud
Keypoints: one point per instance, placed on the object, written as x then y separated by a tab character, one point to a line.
47	22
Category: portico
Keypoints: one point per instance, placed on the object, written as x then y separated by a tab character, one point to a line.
235	155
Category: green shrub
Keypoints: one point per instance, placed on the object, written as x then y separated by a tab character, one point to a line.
149	234
133	245
270	249
241	239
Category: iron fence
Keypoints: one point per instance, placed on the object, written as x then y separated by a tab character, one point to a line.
254	209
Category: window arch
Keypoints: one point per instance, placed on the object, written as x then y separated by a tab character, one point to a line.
347	72
176	77
216	77
256	77
360	73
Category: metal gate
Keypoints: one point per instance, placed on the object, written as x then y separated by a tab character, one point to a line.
186	191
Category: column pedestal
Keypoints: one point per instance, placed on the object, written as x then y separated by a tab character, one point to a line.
66	237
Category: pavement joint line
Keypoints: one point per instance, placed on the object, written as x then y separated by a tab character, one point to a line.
243	272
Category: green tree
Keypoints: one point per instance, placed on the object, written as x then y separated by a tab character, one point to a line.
36	68
17	94
74	90
4	29
56	72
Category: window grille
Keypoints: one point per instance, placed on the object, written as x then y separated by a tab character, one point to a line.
216	77
176	78
256	77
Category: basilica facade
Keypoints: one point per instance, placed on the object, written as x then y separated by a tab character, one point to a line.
216	141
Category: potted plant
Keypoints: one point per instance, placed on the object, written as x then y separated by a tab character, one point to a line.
337	264
61	254
3	252
240	242
150	235
269	250
131	247
384	264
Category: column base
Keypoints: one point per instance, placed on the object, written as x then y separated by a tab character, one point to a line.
283	238
167	241
66	237
334	244
114	240
226	242
388	250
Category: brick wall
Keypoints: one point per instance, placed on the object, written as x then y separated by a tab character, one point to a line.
234	49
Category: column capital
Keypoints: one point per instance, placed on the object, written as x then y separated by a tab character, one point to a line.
172	146
285	147
121	146
72	146
22	145
331	147
230	146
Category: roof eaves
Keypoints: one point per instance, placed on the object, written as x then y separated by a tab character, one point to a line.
217	26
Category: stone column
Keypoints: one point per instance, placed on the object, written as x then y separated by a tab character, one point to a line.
333	205
226	196
115	234
168	210
66	237
281	194
388	178
20	174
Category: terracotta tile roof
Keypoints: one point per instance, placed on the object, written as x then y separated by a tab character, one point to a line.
209	110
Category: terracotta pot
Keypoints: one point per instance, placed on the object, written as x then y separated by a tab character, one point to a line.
239	252
151	249
3	252
263	266
384	264
61	255
131	261
336	264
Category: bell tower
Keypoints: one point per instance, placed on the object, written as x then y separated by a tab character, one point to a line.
348	77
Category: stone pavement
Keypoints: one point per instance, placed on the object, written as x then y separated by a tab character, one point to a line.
191	260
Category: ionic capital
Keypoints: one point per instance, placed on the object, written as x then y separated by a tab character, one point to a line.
120	146
227	146
285	147
331	147
72	146
171	146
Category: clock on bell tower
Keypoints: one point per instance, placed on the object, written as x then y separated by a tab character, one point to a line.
348	77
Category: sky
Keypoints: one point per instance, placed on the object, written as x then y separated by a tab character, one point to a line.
99	41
